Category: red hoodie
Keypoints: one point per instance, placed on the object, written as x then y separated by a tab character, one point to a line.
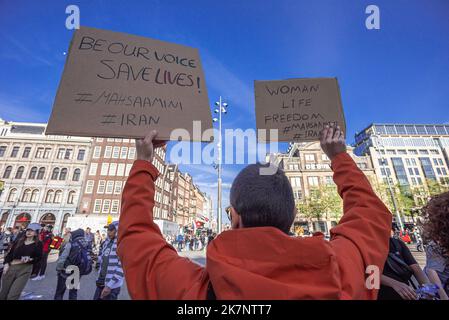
257	263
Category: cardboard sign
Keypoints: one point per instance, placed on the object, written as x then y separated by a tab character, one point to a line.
298	108
123	86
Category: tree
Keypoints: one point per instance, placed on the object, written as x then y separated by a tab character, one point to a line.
323	201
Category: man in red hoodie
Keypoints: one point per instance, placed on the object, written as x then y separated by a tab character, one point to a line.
257	259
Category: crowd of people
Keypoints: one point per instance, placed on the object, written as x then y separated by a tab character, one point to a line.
26	251
190	241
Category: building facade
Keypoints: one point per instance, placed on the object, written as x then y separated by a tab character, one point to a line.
42	175
109	165
307	167
409	155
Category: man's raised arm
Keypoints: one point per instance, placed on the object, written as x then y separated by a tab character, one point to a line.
153	269
361	238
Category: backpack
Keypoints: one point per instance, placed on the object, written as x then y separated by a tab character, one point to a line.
80	257
397	265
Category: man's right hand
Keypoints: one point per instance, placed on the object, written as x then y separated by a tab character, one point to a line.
404	290
145	147
332	141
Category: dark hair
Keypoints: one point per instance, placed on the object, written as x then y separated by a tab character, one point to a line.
263	200
20	241
436	220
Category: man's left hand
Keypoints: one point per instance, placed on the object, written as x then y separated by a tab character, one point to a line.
105	292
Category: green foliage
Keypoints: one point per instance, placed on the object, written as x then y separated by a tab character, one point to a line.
323	202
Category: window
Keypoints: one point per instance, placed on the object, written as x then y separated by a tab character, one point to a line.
2	151
108	152
14	152
324	157
434	152
49	196
115	206
89	186
47	152
26	152
414	181
390	129
413	162
101	186
110	140
93	169
71	197
116	152
109	187
416	172
81	154
68	154
407	162
41	173
118	187
118	140
439	171
310	157
426	166
295	182
100	139
19	172
76	174
313	181
97	206
297	194
104	169
391	151
421	130
123	152
112	169
402	151
106	206
444	171
58	196
33	173
423	152
440	162
128	169
413	151
97	152
410	171
399	169
419	180
26	195
329	180
132	153
55	174
34	195
120	169
63	174
435	162
61	152
12	195
7	172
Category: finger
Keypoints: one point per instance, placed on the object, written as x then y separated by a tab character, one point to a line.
323	133
410	294
337	133
330	134
150	137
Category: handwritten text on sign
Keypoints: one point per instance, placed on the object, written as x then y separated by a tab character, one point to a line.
119	85
298	108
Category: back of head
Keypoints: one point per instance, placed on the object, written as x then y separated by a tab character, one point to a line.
436	220
263	200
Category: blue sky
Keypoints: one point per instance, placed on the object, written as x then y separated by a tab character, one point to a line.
396	74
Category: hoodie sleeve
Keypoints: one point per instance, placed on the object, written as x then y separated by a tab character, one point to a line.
153	269
361	238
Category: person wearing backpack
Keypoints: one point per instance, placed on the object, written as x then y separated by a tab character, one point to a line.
110	276
396	280
74	253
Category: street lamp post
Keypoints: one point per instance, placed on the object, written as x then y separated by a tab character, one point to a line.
221	108
390	188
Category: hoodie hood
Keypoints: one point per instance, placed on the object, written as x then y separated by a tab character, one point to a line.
265	263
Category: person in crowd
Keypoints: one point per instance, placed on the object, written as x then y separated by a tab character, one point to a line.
18	264
110	277
436	235
16	231
180	241
90	238
75	253
97	239
46	237
400	266
257	259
